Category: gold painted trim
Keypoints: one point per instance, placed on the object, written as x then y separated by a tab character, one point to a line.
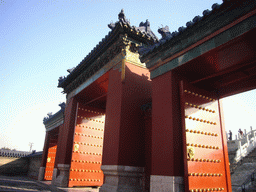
123	70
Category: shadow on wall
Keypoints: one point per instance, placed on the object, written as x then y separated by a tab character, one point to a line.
27	166
10	166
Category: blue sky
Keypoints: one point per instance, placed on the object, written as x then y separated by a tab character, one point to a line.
41	39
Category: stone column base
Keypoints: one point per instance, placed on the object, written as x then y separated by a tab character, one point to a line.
63	176
159	183
54	176
122	178
41	174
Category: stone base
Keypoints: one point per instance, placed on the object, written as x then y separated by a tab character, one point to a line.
63	176
41	174
54	176
160	183
122	178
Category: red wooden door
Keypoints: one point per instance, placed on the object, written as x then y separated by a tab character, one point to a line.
206	159
50	161
87	147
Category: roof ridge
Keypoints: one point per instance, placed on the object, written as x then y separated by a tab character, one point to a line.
143	32
167	35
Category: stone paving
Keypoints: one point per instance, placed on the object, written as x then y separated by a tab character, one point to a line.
21	184
25	184
77	189
241	174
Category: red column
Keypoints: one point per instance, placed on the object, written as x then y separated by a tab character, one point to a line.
58	145
65	144
112	121
148	144
124	132
66	133
167	152
45	151
123	159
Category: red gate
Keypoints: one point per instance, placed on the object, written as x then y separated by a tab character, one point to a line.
50	160
87	147
206	159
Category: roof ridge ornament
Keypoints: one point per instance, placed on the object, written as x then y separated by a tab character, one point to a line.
70	70
122	19
164	31
47	118
61	80
145	27
62	105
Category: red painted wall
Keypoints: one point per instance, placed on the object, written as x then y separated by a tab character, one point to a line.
167	152
148	143
112	121
136	92
58	144
124	129
64	152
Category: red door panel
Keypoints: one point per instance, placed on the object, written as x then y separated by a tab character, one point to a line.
50	160
205	158
87	148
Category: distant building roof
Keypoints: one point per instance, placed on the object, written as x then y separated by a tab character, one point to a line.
11	153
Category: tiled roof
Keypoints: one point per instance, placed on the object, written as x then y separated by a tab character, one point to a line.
15	154
50	116
144	51
141	33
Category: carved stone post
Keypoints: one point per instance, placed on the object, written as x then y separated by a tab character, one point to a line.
62	179
240	148
254	141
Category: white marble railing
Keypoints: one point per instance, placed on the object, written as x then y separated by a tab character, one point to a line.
246	144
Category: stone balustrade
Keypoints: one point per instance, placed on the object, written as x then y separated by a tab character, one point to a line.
242	145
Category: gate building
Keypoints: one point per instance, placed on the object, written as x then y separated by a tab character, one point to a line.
144	114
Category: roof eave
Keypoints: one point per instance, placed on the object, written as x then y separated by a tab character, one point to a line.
84	64
120	28
189	31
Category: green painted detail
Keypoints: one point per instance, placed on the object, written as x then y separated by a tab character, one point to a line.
187	42
164	68
222	38
207	46
216	41
114	62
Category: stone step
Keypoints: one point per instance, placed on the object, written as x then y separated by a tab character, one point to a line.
242	173
250	158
